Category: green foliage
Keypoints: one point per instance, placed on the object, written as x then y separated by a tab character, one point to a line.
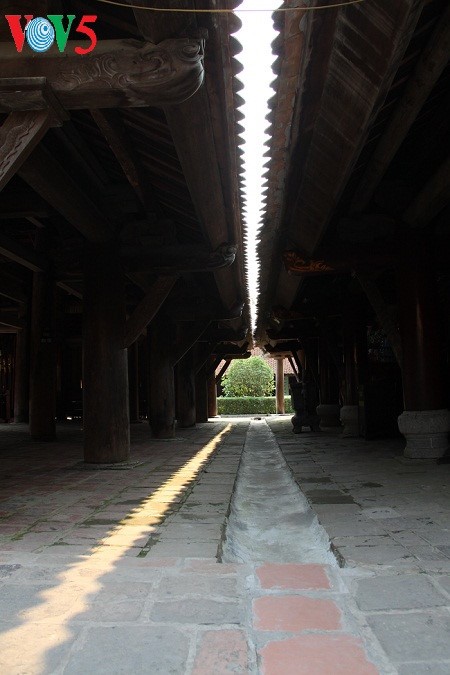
250	405
248	377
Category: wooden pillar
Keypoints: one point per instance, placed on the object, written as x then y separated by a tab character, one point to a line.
349	411
328	409
105	368
162	383
186	414
212	390
425	422
42	403
280	385
201	395
133	381
21	371
422	371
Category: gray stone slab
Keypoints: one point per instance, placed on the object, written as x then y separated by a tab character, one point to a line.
197	584
413	637
140	650
376	555
409	591
431	668
7	571
198	611
444	582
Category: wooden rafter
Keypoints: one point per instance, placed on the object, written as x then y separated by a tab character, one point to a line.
432	62
57	186
29	258
115	133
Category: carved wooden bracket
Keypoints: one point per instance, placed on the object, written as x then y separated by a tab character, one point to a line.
118	73
296	263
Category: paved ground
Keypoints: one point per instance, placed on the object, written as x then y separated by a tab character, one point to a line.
114	570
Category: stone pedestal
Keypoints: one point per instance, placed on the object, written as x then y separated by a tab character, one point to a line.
329	414
426	433
349	419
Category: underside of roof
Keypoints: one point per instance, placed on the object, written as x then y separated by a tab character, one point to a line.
163	179
360	131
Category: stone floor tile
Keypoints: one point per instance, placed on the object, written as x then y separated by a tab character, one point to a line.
198	611
411	591
413	636
199	584
430	668
221	652
316	655
294	613
292	576
134	649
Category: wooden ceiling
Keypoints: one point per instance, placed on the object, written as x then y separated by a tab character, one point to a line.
364	95
163	177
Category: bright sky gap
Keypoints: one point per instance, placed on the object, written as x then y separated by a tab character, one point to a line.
256	36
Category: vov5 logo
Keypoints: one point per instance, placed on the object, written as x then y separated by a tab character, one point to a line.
40	33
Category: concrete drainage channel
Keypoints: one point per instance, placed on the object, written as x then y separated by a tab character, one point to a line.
270	519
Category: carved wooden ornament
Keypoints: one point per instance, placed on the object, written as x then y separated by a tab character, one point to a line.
295	263
118	73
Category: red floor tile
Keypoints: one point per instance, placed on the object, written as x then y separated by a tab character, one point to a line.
316	655
292	576
295	613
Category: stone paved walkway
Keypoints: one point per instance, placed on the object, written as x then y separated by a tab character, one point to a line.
115	571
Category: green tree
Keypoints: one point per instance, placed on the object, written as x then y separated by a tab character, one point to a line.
248	377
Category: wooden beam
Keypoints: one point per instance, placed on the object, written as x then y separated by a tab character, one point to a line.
57	186
11	320
188	338
22	255
22	204
429	68
298	263
11	288
204	309
147	309
19	135
170	259
118	73
113	129
69	289
223	370
433	197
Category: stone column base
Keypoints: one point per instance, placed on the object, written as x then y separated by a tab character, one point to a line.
350	422
329	414
426	433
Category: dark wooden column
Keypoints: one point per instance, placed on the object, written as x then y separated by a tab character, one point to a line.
425	422
186	390
133	381
423	368
349	411
43	357
162	383
105	368
21	370
328	409
201	395
212	389
280	385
